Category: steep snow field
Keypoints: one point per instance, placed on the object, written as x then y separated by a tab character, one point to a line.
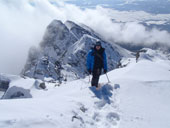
137	97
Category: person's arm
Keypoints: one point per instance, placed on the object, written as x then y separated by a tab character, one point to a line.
88	62
105	61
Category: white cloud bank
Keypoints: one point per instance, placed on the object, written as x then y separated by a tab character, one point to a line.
23	23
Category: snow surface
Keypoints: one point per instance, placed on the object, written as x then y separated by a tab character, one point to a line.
137	97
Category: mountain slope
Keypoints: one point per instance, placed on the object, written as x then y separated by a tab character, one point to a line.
138	96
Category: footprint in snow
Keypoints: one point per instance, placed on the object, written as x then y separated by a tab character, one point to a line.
112	117
104	94
116	86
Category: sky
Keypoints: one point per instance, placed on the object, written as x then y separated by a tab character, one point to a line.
23	24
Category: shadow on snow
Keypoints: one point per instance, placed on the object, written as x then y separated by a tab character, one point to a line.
104	93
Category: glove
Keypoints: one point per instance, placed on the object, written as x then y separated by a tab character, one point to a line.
105	71
89	71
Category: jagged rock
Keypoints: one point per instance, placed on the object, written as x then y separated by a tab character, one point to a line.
39	84
42	85
78	31
63	50
17	95
4	83
138	53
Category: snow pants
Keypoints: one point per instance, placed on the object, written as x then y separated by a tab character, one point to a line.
95	79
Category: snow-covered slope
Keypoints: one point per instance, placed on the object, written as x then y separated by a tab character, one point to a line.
144	91
137	97
63	50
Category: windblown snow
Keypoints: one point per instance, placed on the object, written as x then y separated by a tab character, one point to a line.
136	97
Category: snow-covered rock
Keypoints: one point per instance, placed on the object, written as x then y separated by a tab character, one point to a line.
4	83
16	87
63	50
15	92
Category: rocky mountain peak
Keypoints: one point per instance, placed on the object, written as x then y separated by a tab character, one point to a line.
63	50
56	33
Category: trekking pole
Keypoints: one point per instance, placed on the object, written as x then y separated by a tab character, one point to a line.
89	78
108	78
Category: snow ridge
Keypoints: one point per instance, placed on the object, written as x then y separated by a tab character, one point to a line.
137	96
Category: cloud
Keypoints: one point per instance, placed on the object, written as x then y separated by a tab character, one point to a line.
21	26
23	23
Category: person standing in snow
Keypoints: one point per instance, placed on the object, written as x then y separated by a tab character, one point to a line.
96	61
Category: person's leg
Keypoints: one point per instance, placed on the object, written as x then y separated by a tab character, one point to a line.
94	80
96	75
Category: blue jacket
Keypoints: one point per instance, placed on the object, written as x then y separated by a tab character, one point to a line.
90	60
